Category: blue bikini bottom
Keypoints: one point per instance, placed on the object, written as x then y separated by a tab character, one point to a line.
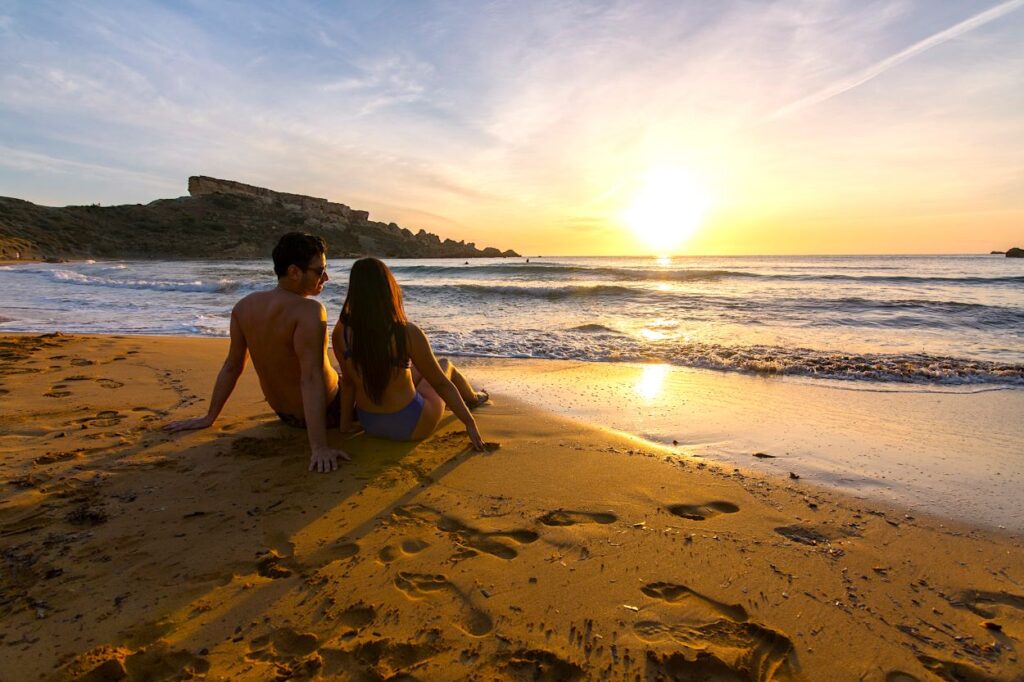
393	425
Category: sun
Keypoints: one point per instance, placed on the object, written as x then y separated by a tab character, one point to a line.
667	209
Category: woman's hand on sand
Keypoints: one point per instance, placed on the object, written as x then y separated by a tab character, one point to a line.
350	430
474	437
325	459
190	424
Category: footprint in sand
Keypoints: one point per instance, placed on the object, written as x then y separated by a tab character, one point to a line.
987	604
473	539
677	594
701	512
423	586
378	659
678	666
336	552
407	547
954	670
56	394
567	517
747	650
357	616
54	457
538	664
102	419
271	565
283	644
803	535
157	662
284	648
900	676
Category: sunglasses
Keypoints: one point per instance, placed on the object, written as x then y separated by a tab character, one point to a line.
319	271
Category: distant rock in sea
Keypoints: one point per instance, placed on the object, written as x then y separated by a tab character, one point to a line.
220	219
996	253
1015	252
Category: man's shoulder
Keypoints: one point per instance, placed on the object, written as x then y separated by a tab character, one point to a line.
310	306
253	298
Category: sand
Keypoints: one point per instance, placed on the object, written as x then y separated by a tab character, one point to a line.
952	451
571	552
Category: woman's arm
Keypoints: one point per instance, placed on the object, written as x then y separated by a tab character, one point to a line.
348	387
423	357
348	401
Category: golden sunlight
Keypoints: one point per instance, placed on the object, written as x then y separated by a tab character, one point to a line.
651	379
667	209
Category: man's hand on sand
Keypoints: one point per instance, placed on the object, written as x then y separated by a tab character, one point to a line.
325	459
189	424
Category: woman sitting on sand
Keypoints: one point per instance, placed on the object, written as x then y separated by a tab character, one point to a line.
388	369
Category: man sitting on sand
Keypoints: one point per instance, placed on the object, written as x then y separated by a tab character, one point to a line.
286	333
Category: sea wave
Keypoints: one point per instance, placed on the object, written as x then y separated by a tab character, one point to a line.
546	271
551	293
223	286
915	368
821	311
901	279
594	329
628	274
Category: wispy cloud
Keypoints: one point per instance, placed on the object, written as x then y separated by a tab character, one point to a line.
865	75
20	159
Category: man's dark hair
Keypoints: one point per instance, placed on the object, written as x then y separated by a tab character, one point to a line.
296	248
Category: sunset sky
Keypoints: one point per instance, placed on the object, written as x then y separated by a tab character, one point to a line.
547	127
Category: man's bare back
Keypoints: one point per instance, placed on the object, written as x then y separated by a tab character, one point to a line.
285	332
268	320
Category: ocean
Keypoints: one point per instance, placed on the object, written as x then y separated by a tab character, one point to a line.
950	320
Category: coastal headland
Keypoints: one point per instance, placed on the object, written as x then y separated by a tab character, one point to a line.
219	219
568	553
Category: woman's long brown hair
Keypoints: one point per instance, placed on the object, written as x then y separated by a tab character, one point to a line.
375	321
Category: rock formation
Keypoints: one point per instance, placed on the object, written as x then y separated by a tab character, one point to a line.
1015	252
220	219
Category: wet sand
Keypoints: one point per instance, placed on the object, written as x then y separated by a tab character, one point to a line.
571	552
949	451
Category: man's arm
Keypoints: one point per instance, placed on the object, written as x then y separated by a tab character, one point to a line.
232	368
310	342
423	357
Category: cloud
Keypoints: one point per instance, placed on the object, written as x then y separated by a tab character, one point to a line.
20	159
865	75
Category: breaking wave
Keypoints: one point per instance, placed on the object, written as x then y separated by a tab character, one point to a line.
223	286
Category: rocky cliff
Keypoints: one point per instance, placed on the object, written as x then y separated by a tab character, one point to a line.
220	219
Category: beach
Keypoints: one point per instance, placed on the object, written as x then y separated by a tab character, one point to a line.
572	551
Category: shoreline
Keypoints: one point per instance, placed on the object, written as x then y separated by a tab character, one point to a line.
571	552
709	414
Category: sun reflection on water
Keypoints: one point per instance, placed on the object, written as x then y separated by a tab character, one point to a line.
651	380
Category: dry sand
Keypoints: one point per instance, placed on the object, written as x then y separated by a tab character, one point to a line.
568	553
